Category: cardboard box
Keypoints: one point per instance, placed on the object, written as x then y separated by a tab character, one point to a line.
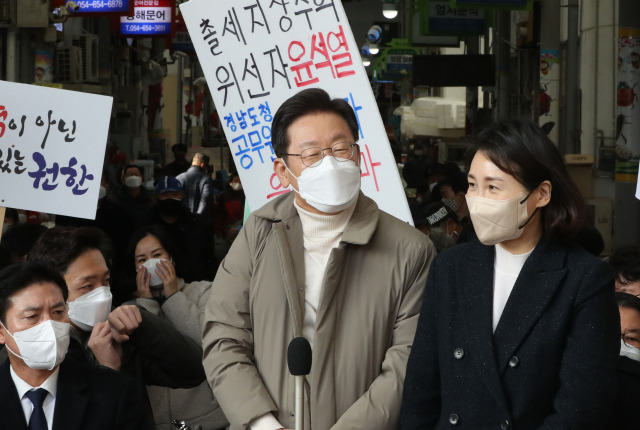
580	168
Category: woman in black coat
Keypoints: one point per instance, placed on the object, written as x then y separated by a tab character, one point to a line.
519	330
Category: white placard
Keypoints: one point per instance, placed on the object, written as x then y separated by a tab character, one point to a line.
638	186
52	145
256	54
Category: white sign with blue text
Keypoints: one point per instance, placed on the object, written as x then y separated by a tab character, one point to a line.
256	54
52	145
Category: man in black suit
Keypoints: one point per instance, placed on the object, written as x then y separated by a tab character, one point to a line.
40	391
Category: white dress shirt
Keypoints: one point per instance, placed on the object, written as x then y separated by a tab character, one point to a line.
49	404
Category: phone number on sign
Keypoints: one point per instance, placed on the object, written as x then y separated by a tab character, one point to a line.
97	4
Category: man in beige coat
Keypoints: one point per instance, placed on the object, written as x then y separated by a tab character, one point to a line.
321	262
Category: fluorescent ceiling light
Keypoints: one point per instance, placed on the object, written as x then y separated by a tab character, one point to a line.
389	10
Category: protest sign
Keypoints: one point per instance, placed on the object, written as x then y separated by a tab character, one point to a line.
256	54
52	145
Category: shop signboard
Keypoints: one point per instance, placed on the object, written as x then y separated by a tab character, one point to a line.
503	4
256	54
52	145
150	18
446	19
98	7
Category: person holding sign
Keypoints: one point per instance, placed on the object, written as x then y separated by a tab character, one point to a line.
321	262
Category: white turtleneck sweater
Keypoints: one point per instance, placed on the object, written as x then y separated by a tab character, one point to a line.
321	233
507	267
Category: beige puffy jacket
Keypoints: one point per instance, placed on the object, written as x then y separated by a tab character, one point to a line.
365	324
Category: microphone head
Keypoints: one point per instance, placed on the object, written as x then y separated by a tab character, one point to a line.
299	356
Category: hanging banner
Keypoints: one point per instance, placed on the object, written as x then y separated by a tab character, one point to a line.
628	107
52	145
256	54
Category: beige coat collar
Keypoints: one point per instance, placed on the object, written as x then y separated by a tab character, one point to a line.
359	229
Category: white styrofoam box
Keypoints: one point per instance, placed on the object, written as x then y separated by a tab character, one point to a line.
425	103
426	113
449	122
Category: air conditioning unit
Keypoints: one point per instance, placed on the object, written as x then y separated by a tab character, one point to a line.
68	65
88	43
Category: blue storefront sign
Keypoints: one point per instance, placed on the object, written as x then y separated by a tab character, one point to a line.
150	18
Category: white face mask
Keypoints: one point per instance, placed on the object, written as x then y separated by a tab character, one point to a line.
133	181
450	203
331	186
91	308
43	346
102	193
236	186
496	221
629	351
150	265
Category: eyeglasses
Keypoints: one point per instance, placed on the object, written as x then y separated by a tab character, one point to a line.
631	339
341	151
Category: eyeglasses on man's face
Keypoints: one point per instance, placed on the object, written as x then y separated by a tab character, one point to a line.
341	151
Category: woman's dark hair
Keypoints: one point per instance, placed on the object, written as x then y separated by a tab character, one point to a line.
520	149
313	100
60	246
19	276
127	285
626	300
626	263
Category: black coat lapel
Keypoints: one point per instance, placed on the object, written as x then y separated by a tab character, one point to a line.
71	400
540	277
475	290
11	414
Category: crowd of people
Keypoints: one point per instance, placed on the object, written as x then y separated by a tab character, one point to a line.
492	313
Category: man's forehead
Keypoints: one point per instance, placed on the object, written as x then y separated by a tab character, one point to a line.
36	295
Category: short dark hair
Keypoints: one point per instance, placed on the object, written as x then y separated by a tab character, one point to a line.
626	300
19	239
306	102
520	149
457	181
179	147
626	263
12	214
20	276
131	166
61	246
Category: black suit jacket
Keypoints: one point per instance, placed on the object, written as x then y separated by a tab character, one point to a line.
94	398
551	362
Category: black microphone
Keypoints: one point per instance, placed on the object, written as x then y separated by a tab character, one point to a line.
299	361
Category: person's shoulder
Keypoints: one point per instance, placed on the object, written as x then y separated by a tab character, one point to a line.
395	229
577	258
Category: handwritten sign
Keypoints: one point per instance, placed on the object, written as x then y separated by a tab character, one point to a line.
256	54
52	146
